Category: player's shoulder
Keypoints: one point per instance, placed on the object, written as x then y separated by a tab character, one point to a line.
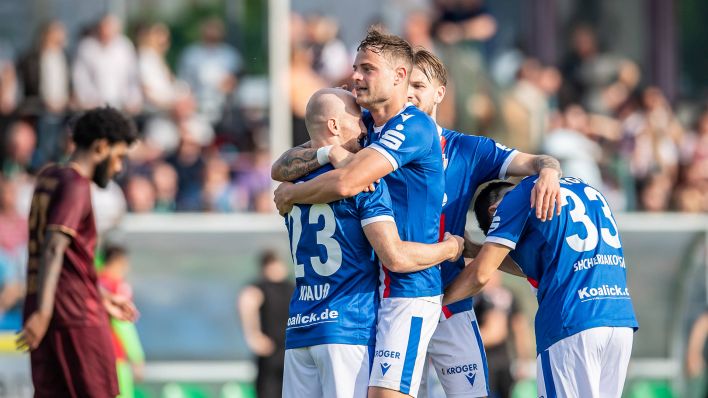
412	117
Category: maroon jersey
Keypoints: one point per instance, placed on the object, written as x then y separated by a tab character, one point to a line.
62	202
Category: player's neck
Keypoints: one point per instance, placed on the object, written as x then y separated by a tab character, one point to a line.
383	112
82	163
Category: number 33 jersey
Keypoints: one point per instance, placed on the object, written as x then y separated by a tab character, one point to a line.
576	258
336	273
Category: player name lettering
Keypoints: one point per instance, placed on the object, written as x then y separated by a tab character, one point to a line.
472	367
600	259
314	293
592	293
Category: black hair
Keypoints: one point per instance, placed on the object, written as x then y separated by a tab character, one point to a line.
268	256
487	197
113	252
103	123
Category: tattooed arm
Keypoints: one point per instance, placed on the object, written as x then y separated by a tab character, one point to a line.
295	163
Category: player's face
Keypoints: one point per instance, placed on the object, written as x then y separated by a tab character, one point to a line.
422	92
373	77
111	165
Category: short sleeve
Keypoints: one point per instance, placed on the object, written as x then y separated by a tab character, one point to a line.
375	206
69	205
510	218
492	158
407	140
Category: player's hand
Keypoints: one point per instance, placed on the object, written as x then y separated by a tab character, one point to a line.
138	371
121	308
339	156
545	196
460	244
372	186
471	247
33	332
282	198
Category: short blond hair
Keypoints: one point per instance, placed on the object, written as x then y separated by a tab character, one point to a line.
431	66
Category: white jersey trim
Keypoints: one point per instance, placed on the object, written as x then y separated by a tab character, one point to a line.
378	148
502	241
372	220
507	162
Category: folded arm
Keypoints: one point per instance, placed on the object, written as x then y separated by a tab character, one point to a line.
402	256
508	265
295	163
545	196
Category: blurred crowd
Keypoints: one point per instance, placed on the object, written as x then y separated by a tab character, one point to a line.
203	136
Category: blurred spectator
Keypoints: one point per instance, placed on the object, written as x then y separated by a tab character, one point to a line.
655	192
527	105
130	357
156	78
506	335
13	249
188	162
8	80
263	310
305	82
20	146
211	68
44	72
331	58
572	145
253	182
164	178
598	81
106	69
140	194
217	190
109	207
417	29
462	20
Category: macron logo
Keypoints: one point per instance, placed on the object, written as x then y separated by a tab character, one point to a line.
470	377
406	116
385	367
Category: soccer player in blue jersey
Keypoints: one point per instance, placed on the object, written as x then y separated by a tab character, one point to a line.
456	350
332	326
585	319
405	151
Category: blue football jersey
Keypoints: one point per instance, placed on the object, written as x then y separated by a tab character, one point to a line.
469	162
336	272
576	258
411	143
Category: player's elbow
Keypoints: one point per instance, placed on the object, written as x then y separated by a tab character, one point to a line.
275	173
479	279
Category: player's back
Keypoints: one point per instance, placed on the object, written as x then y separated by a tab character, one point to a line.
335	300
62	202
469	161
576	258
410	142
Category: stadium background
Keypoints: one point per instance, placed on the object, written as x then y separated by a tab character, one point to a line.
191	256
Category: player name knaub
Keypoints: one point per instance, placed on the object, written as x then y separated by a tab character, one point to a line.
600	259
589	293
314	293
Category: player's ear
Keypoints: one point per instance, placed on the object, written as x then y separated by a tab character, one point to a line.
333	126
100	148
440	94
401	74
493	208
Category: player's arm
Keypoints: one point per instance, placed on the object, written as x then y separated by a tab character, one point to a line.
509	266
249	302
295	163
545	196
364	169
50	263
477	273
402	256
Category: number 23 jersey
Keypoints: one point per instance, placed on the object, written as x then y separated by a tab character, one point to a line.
576	258
336	273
